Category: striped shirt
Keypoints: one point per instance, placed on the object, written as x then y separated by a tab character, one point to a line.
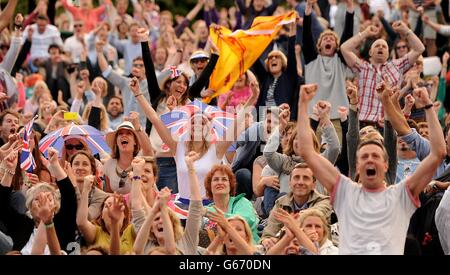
369	76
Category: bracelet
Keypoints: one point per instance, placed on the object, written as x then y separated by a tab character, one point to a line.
428	106
191	170
138	95
354	103
136	178
12	173
50	225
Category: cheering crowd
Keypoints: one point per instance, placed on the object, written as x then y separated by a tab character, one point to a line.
335	140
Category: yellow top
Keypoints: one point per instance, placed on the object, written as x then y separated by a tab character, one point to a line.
103	239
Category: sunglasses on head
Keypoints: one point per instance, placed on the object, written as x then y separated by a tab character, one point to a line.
197	60
77	146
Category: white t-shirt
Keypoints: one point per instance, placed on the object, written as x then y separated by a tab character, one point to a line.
372	222
41	41
26	250
74	47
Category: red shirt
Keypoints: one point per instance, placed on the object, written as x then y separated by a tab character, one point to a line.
90	17
369	76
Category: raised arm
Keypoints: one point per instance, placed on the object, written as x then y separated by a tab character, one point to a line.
197	8
427	168
329	135
197	87
442	86
347	49
222	146
280	246
143	139
289	221
169	237
87	229
353	128
435	26
193	179
388	28
242	246
292	61
325	172
416	46
152	81
241	6
396	118
348	25
116	215
151	114
107	71
442	219
390	143
309	48
142	236
11	56
46	213
137	199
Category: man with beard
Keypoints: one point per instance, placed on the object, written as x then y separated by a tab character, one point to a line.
407	160
115	111
379	69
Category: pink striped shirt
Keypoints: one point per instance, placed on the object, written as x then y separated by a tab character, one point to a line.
369	76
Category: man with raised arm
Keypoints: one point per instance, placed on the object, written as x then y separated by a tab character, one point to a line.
373	218
379	69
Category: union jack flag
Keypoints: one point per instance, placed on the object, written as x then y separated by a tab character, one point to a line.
174	72
27	162
221	122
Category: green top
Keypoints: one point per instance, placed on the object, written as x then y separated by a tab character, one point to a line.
241	206
441	98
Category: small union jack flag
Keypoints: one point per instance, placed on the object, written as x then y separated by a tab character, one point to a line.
174	72
27	162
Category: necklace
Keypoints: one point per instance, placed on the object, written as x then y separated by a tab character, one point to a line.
122	175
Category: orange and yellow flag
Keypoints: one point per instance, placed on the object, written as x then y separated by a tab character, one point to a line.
240	49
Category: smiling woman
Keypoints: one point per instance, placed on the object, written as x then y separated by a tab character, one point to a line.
220	185
125	146
83	164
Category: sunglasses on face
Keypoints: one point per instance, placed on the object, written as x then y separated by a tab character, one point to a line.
76	146
202	60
